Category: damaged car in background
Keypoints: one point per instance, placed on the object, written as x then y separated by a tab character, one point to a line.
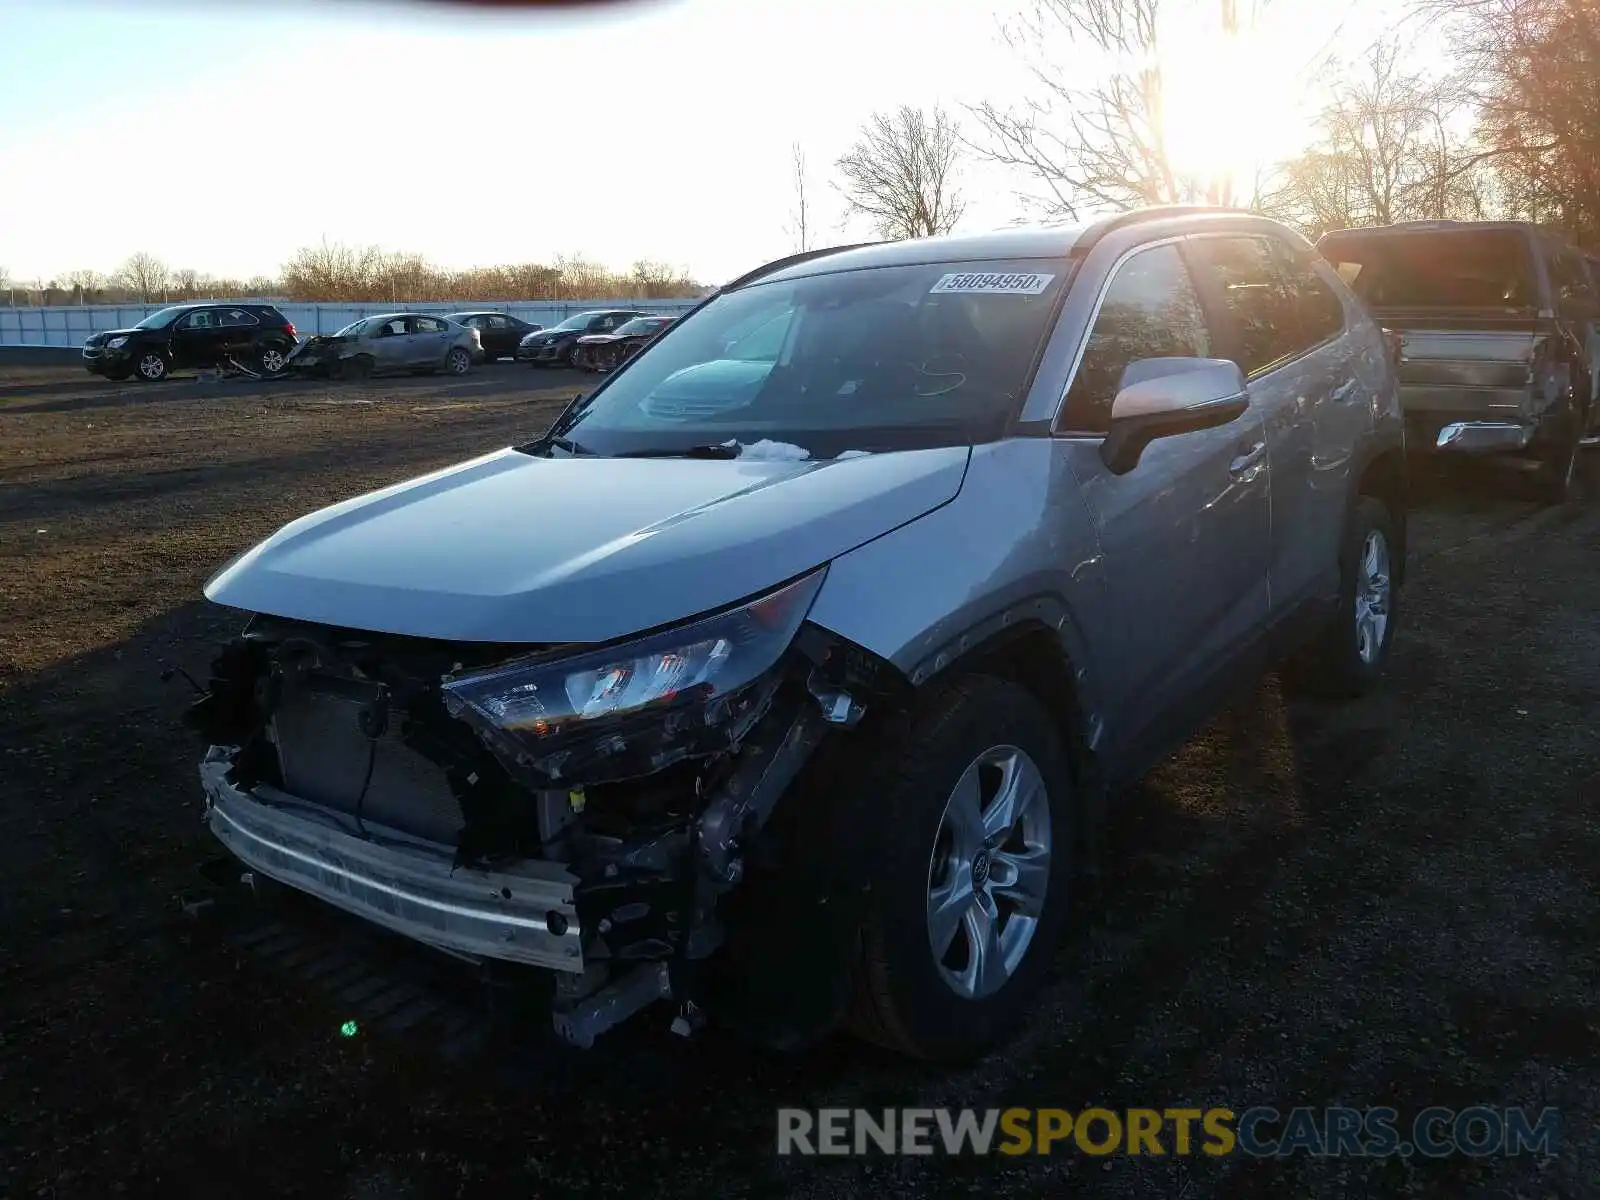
786	676
414	342
1499	338
604	352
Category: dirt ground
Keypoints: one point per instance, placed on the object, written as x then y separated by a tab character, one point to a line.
1392	903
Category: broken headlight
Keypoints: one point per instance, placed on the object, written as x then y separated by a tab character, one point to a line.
638	706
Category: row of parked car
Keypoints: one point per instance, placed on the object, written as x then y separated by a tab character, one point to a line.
259	339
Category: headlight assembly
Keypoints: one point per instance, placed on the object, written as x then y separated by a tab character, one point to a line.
116	343
638	706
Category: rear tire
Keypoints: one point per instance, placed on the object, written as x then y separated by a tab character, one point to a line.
458	361
272	359
950	870
1557	476
1347	657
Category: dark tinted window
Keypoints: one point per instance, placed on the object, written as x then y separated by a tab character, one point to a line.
1440	269
234	317
1149	311
499	322
1574	292
1320	309
202	319
1257	298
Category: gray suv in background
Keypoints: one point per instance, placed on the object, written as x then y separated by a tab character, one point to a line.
789	675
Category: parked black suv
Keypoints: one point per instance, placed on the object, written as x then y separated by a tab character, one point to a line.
256	336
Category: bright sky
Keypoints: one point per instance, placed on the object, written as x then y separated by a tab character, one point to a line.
222	140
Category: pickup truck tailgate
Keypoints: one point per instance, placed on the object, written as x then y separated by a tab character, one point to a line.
1466	373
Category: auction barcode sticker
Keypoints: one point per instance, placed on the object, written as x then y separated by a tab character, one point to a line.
1018	284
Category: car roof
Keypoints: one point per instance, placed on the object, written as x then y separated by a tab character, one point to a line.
1018	242
1405	227
476	312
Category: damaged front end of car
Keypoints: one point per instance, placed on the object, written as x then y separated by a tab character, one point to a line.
581	809
321	355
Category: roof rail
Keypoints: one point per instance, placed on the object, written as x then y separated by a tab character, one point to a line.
1105	225
792	260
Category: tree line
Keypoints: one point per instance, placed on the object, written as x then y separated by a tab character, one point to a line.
334	271
1510	131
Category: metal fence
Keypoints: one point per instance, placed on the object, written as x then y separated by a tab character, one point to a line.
69	325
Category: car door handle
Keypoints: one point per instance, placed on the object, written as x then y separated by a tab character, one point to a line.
1344	391
1248	458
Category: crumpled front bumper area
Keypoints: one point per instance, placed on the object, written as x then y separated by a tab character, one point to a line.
524	914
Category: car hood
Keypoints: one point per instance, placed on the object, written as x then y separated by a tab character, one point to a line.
100	339
515	548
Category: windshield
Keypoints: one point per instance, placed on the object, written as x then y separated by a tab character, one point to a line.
161	318
354	328
581	321
1440	269
885	358
641	325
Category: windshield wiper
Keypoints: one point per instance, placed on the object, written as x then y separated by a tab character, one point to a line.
560	443
726	450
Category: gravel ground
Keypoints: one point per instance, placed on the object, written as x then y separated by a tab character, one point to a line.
1391	903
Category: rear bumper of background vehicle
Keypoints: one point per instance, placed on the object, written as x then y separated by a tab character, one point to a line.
524	913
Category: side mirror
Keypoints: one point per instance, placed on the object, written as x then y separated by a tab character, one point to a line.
1161	397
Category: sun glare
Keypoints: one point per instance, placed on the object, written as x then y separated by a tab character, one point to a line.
1229	110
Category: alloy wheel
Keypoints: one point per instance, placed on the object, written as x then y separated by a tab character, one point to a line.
1372	596
989	872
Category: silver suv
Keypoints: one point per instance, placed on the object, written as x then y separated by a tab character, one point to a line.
788	676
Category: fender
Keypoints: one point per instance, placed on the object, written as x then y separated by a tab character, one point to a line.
1014	547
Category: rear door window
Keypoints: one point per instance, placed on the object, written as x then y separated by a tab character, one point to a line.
1575	296
1258	298
1320	311
1442	270
1150	310
428	325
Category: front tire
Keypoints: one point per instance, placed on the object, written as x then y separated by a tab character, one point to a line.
973	815
1347	658
152	366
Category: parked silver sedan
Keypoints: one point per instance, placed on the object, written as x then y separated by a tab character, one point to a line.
415	342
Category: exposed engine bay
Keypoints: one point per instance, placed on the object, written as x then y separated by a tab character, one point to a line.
586	811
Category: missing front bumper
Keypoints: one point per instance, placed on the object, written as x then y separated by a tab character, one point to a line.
523	914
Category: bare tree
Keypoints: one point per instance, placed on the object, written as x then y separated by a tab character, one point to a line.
145	275
1093	133
1095	144
85	282
1533	64
800	217
1386	151
900	173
